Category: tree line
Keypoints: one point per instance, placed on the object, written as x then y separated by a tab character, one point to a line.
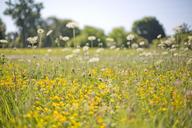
58	32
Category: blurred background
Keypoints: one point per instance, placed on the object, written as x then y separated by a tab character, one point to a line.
146	19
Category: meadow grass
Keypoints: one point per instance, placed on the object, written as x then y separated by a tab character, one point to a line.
95	88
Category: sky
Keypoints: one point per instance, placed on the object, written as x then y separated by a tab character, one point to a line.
107	14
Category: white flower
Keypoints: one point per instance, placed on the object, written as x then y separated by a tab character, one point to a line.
38	64
185	43
146	54
159	36
93	60
100	44
109	39
91	38
72	25
113	47
85	48
29	61
40	31
68	56
175	54
49	32
130	37
3	41
65	38
173	46
49	50
32	40
128	43
186	49
142	43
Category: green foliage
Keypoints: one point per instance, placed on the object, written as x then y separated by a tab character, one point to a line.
148	27
2	29
3	59
137	40
183	28
119	35
59	29
88	31
182	34
26	14
179	40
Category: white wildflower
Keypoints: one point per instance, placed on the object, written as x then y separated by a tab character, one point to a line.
130	37
128	43
159	36
85	48
93	60
72	25
40	31
175	54
69	56
109	39
49	32
91	38
3	41
100	44
142	43
32	40
113	47
49	50
64	38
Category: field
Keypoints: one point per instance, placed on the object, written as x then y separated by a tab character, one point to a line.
95	88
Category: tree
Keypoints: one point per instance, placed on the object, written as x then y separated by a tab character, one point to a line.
181	33
149	28
97	32
119	35
26	14
59	29
183	28
2	29
84	37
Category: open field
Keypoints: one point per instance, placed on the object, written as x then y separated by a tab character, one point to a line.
95	88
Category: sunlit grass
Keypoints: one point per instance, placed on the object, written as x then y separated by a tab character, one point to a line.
122	88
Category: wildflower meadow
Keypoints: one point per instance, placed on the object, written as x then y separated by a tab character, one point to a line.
131	69
101	88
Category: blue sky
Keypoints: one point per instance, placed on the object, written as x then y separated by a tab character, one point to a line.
107	14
